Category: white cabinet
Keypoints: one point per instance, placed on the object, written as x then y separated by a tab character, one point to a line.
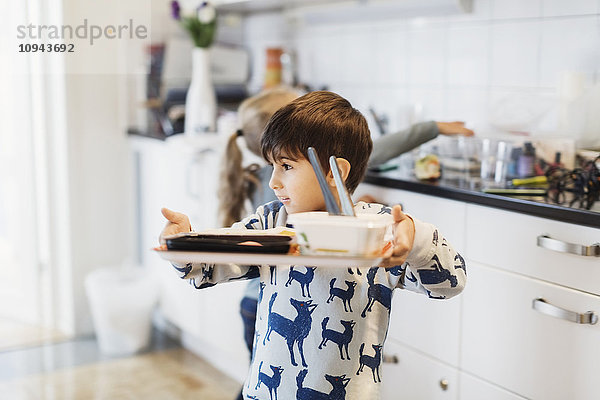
509	241
415	376
502	334
432	326
170	174
179	174
182	174
507	341
472	388
514	282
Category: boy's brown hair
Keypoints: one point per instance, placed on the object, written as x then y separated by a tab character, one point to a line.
325	121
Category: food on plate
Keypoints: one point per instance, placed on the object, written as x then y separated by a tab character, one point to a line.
250	243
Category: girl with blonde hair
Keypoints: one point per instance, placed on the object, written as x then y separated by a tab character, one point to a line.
240	184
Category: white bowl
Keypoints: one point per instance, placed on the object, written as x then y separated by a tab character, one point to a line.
320	233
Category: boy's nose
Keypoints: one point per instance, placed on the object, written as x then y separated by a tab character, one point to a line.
274	182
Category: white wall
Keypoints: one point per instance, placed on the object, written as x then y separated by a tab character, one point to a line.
99	165
501	62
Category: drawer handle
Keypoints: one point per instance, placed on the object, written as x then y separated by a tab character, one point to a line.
547	242
544	307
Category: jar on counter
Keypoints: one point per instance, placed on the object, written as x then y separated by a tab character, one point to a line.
526	162
273	67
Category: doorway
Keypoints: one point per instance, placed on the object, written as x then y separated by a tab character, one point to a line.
26	316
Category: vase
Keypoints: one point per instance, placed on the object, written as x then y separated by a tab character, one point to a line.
201	101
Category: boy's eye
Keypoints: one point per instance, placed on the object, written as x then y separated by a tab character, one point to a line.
286	166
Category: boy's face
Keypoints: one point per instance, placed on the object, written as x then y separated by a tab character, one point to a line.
295	185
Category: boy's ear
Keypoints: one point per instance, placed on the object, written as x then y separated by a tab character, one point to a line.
344	167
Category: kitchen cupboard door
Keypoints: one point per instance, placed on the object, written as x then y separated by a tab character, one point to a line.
195	177
432	326
516	242
180	175
472	388
526	350
414	376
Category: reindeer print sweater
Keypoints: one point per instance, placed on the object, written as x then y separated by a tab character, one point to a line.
320	331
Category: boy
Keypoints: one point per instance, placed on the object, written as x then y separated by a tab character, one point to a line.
347	310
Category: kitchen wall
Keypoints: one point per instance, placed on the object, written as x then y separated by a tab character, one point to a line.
497	67
97	199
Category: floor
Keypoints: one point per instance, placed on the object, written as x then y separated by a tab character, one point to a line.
16	334
75	369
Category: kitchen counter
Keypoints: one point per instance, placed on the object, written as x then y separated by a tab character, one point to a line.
468	189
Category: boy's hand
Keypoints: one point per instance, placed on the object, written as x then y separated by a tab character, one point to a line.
177	223
404	237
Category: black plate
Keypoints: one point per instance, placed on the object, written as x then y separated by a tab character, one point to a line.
279	244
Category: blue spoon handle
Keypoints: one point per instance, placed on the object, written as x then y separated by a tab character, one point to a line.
330	202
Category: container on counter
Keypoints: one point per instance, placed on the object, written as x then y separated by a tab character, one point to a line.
273	67
526	163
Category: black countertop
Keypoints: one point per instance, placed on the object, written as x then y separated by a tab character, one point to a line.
468	189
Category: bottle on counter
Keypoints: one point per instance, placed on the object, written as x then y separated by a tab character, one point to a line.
526	162
511	171
273	67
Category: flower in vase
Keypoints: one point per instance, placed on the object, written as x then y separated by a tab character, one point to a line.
201	24
175	10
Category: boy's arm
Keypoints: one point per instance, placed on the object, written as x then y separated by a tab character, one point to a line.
201	275
432	267
421	260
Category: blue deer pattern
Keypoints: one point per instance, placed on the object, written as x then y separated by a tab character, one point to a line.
271	382
372	362
338	388
437	274
461	263
342	339
304	279
377	292
344	294
293	331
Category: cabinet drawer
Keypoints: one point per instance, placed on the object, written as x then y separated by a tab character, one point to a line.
472	388
447	215
510	241
415	376
432	326
506	341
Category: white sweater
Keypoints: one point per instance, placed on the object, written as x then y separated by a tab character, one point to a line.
320	331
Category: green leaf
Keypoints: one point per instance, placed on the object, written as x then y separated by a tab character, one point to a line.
202	34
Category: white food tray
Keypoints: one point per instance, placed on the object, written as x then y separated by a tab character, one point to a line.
183	257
